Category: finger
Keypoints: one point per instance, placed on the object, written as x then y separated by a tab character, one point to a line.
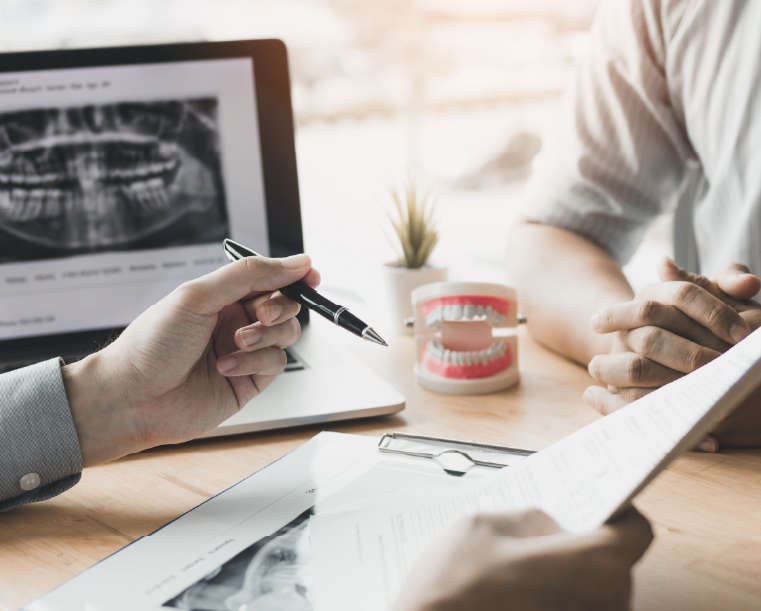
752	317
669	349
234	281
629	533
267	361
313	278
647	312
262	381
737	282
272	309
624	369
631	394
669	271
528	523
709	444
701	306
603	400
230	319
257	336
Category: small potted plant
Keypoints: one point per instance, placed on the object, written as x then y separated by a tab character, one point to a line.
415	237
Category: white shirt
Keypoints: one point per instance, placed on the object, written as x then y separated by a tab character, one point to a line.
664	115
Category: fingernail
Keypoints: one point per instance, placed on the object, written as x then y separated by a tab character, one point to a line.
272	311
296	261
739	332
226	364
249	337
708	445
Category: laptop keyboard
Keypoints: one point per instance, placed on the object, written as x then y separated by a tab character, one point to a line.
293	362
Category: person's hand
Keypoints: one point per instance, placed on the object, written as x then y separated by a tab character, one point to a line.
525	561
188	362
658	341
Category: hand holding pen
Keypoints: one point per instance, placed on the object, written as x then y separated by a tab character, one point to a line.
304	294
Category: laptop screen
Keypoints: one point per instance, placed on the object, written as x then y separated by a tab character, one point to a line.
118	183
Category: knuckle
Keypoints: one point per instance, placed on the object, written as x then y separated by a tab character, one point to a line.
718	315
695	357
685	292
647	311
636	369
186	294
647	341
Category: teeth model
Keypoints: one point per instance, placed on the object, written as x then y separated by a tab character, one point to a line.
457	351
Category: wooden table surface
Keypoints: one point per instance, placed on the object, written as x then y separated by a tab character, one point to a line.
706	509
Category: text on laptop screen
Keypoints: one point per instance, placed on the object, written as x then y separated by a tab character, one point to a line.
118	183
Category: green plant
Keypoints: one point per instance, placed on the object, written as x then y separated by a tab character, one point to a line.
414	226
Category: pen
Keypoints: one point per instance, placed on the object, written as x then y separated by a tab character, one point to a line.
304	294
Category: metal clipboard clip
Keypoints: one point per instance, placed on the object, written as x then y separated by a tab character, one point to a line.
455	457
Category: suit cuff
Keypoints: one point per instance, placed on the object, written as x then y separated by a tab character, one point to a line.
40	455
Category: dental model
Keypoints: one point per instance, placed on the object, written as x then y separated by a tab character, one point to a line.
465	337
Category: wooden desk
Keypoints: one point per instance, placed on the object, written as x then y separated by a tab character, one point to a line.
706	510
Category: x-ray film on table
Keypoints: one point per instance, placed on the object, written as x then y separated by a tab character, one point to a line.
250	546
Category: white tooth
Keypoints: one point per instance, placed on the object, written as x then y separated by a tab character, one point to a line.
34	204
447	312
469	312
53	204
18	201
468	357
162	198
446	357
5	201
458	312
480	311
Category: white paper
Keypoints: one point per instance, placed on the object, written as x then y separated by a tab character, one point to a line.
581	481
249	547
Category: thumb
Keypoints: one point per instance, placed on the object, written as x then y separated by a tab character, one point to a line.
737	282
234	281
630	533
670	271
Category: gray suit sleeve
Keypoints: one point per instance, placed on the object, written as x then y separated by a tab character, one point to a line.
38	439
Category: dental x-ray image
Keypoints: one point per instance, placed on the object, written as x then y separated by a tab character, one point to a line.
269	575
124	176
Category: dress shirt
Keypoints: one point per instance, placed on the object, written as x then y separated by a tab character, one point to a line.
664	115
39	446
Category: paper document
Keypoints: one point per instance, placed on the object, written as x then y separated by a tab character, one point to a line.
581	481
249	547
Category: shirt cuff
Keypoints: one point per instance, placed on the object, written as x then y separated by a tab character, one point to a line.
40	455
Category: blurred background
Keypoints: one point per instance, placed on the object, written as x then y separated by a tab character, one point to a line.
455	95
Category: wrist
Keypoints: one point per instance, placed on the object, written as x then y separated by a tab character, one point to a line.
101	418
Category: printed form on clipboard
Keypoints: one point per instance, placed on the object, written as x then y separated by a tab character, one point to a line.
581	481
249	546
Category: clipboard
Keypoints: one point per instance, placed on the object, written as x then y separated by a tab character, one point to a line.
455	457
257	531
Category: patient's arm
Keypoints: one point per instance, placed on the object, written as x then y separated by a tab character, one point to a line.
562	280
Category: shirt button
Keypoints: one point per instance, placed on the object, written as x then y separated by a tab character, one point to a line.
30	481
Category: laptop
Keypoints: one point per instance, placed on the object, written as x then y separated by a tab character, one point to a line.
121	172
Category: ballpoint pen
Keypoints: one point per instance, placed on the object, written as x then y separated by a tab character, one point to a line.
304	294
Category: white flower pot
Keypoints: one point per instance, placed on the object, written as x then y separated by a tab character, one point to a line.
399	283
